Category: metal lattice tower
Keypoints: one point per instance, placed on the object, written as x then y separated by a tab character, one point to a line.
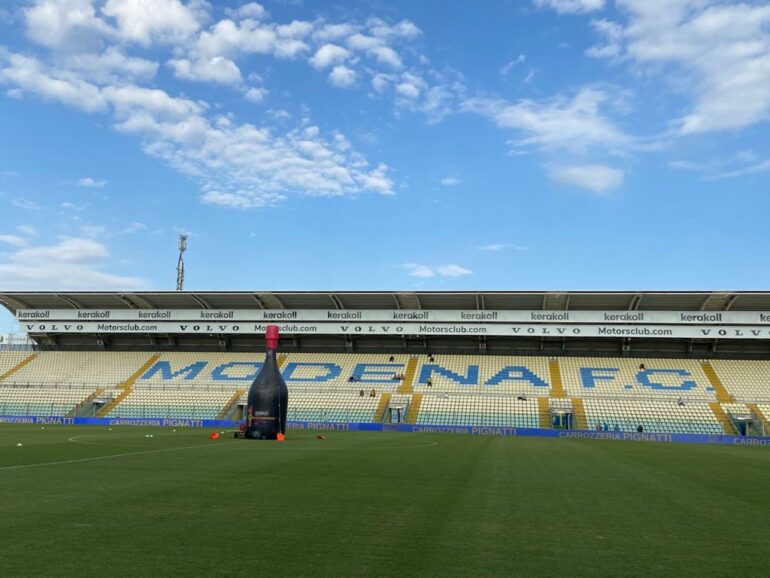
180	263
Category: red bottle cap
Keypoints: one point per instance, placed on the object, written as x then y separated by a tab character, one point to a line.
271	337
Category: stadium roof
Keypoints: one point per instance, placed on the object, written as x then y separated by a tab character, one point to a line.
494	300
713	301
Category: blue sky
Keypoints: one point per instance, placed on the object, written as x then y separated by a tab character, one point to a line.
545	144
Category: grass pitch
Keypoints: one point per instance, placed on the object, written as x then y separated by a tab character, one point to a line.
86	501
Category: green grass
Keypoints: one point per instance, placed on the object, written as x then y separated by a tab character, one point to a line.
379	504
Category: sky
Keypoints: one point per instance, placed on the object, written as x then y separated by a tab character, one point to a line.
371	145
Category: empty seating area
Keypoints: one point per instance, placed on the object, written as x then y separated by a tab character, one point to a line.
745	380
202	370
78	368
303	370
172	404
332	407
635	378
483	373
478	410
660	416
45	401
765	409
10	359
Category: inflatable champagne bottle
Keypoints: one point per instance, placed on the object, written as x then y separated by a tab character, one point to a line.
268	396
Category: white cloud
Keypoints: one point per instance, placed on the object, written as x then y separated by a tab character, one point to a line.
328	55
71	250
426	271
716	52
421	271
91	183
148	21
27	230
72	263
29	75
504	70
25	204
331	32
228	38
244	165
754	168
600	179
66	25
571	6
452	271
408	90
216	69
238	201
403	29
497	247
134	227
67	205
255	94
251	10
725	167
342	77
386	55
111	66
14	240
576	124
450	181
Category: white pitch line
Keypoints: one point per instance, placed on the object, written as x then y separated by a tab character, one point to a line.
96	458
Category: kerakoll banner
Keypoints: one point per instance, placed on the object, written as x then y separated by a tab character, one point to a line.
400	316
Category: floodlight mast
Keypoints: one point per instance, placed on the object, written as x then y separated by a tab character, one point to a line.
180	263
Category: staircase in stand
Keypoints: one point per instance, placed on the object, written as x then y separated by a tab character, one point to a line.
557	388
380	414
18	366
544	411
128	386
407	385
231	404
723	396
414	408
719	413
580	413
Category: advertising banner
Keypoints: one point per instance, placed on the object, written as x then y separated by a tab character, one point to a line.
395	316
374	328
405	428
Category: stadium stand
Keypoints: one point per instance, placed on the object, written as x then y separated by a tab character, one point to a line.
192	404
198	370
88	369
746	380
304	370
43	401
478	410
662	416
331	407
660	395
636	378
12	361
467	373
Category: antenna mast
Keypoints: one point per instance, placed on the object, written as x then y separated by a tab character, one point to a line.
180	263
